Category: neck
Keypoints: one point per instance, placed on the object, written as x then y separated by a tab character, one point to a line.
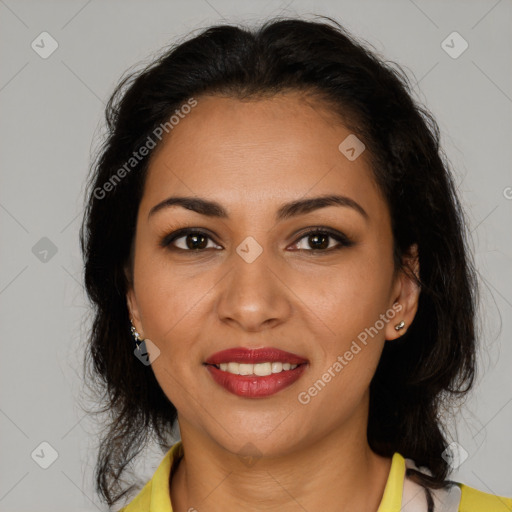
338	473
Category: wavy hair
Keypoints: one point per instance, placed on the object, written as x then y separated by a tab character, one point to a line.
421	374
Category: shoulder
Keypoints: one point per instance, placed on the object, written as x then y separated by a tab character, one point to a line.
457	497
473	500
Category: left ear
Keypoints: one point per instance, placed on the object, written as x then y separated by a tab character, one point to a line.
406	292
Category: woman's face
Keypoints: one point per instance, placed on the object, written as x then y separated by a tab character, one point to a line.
254	278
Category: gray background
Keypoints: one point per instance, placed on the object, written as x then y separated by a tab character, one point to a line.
52	112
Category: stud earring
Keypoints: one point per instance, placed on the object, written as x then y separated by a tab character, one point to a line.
136	335
400	326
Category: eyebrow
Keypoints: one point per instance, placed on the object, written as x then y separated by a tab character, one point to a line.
285	211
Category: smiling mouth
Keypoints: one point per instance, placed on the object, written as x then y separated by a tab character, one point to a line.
255	373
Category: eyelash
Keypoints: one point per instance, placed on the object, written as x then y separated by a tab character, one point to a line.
342	239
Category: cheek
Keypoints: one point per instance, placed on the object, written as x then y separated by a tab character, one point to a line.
172	306
349	296
169	294
353	304
176	310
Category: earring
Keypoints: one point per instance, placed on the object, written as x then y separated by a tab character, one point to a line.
136	335
400	326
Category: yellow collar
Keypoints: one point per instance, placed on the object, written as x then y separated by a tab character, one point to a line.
392	497
160	492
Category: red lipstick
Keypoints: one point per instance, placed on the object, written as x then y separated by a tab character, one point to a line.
255	386
254	356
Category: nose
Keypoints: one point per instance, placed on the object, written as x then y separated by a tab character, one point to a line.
253	296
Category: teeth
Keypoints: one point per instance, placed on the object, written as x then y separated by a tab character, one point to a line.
259	369
277	367
245	369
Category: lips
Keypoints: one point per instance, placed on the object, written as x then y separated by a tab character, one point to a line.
254	356
256	386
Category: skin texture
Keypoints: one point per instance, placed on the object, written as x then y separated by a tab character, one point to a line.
251	157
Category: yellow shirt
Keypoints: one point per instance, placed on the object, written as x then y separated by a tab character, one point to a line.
155	496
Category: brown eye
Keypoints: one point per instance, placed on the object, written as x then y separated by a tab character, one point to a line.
195	241
320	239
187	240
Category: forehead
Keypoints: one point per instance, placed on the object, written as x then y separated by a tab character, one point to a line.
267	149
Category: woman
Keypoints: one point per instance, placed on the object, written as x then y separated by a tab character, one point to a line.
273	221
